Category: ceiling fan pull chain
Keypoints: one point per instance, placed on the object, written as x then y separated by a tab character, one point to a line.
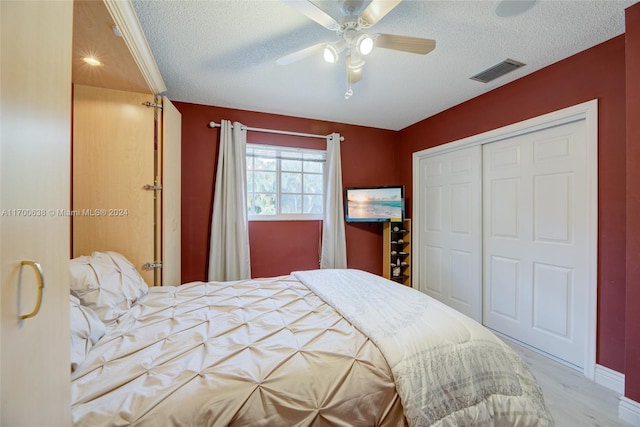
349	91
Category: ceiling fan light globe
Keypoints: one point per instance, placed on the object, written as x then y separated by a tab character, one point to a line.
365	44
330	54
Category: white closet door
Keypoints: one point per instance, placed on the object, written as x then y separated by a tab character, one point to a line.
450	264
535	239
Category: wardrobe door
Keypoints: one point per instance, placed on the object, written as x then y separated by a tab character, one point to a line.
171	191
34	199
113	159
450	205
535	239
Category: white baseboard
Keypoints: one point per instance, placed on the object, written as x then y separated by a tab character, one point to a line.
629	411
613	380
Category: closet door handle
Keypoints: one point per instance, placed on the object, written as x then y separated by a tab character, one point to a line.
36	267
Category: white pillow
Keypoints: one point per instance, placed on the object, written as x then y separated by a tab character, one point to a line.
107	283
86	330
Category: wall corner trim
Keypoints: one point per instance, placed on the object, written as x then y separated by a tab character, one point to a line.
629	411
613	380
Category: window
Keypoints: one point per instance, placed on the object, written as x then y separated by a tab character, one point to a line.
284	182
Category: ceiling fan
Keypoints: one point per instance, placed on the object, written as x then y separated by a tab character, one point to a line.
353	37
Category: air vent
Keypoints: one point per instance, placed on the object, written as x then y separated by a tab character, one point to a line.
497	70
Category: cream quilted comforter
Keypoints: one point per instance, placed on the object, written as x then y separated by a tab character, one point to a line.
249	353
448	369
272	352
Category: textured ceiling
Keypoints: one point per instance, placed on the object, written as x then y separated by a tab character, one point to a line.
223	53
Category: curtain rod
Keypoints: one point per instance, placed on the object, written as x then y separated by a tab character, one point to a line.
280	132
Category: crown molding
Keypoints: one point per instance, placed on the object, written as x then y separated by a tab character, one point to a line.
125	18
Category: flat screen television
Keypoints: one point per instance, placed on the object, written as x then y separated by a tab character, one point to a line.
374	204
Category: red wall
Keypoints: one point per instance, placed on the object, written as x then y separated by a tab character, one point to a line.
595	73
632	352
369	157
373	157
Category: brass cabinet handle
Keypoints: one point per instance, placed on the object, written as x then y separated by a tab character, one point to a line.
36	267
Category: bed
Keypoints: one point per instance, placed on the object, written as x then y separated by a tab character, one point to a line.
314	348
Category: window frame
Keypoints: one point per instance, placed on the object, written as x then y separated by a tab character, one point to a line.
278	194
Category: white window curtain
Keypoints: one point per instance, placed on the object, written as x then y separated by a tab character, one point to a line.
334	243
229	249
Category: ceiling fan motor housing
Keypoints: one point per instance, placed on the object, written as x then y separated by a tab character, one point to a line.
352	7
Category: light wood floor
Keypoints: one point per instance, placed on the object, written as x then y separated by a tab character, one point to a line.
572	399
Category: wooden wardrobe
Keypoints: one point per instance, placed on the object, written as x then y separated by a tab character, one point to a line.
125	146
126	179
34	237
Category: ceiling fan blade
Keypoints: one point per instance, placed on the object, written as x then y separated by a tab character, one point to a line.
300	54
377	10
314	13
405	43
